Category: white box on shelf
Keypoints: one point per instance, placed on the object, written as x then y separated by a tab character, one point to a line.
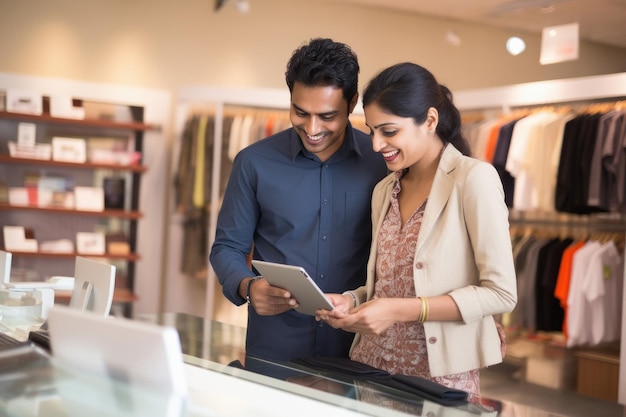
109	156
28	102
62	106
90	243
57	246
89	198
69	149
41	151
18	196
15	240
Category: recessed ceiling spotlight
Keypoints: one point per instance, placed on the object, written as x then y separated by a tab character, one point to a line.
515	45
452	38
242	6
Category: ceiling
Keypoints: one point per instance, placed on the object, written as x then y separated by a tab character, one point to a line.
602	21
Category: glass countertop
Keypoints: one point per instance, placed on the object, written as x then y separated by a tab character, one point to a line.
214	353
219	346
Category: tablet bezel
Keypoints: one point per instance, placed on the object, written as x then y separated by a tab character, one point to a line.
298	282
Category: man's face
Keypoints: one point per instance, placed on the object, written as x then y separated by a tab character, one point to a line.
320	115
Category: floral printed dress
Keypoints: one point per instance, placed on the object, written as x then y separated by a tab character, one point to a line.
401	349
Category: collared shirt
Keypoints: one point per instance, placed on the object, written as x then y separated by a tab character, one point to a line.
300	211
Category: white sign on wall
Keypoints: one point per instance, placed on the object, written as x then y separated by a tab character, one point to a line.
559	43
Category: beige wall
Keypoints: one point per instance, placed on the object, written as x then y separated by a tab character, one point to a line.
166	44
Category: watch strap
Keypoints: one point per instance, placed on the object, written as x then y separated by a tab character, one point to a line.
248	284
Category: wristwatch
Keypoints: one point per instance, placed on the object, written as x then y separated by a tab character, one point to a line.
248	299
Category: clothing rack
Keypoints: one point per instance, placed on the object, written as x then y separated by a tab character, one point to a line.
508	112
603	221
220	102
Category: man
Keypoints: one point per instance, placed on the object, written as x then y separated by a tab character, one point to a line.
301	197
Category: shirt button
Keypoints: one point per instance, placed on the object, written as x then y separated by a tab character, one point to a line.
326	201
419	265
432	340
322	276
324	237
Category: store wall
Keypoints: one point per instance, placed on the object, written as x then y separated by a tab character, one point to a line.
166	45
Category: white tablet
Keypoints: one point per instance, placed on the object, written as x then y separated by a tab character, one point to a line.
295	280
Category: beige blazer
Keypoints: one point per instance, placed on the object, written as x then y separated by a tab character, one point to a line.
463	250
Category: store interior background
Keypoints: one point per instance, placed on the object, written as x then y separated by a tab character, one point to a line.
165	47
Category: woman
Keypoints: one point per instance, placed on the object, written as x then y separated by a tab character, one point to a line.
441	264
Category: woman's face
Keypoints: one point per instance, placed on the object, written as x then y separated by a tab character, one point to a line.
401	141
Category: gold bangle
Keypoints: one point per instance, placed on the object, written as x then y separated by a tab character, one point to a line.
421	316
424	310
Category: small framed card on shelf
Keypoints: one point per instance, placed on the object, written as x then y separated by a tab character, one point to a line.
90	243
26	135
69	149
89	198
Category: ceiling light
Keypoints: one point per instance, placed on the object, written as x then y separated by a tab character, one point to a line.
242	6
515	45
452	38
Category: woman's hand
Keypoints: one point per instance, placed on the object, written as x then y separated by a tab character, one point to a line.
372	317
342	303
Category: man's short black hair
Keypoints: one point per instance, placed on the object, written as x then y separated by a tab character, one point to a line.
324	62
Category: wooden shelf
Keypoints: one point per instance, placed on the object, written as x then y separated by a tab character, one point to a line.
46	118
71	255
120	295
121	214
4	158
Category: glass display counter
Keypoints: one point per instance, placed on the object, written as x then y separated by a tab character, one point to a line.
218	386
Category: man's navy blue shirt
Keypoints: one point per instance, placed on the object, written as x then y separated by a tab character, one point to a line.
300	211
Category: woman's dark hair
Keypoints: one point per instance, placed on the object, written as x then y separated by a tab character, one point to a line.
326	63
409	90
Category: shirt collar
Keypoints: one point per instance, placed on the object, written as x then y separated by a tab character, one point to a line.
349	146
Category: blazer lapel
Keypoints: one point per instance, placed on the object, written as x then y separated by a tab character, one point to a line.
443	185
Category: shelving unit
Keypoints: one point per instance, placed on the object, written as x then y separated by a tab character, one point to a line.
55	222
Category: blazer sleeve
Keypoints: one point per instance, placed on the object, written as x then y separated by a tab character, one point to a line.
486	219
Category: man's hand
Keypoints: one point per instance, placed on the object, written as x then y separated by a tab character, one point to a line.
267	300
